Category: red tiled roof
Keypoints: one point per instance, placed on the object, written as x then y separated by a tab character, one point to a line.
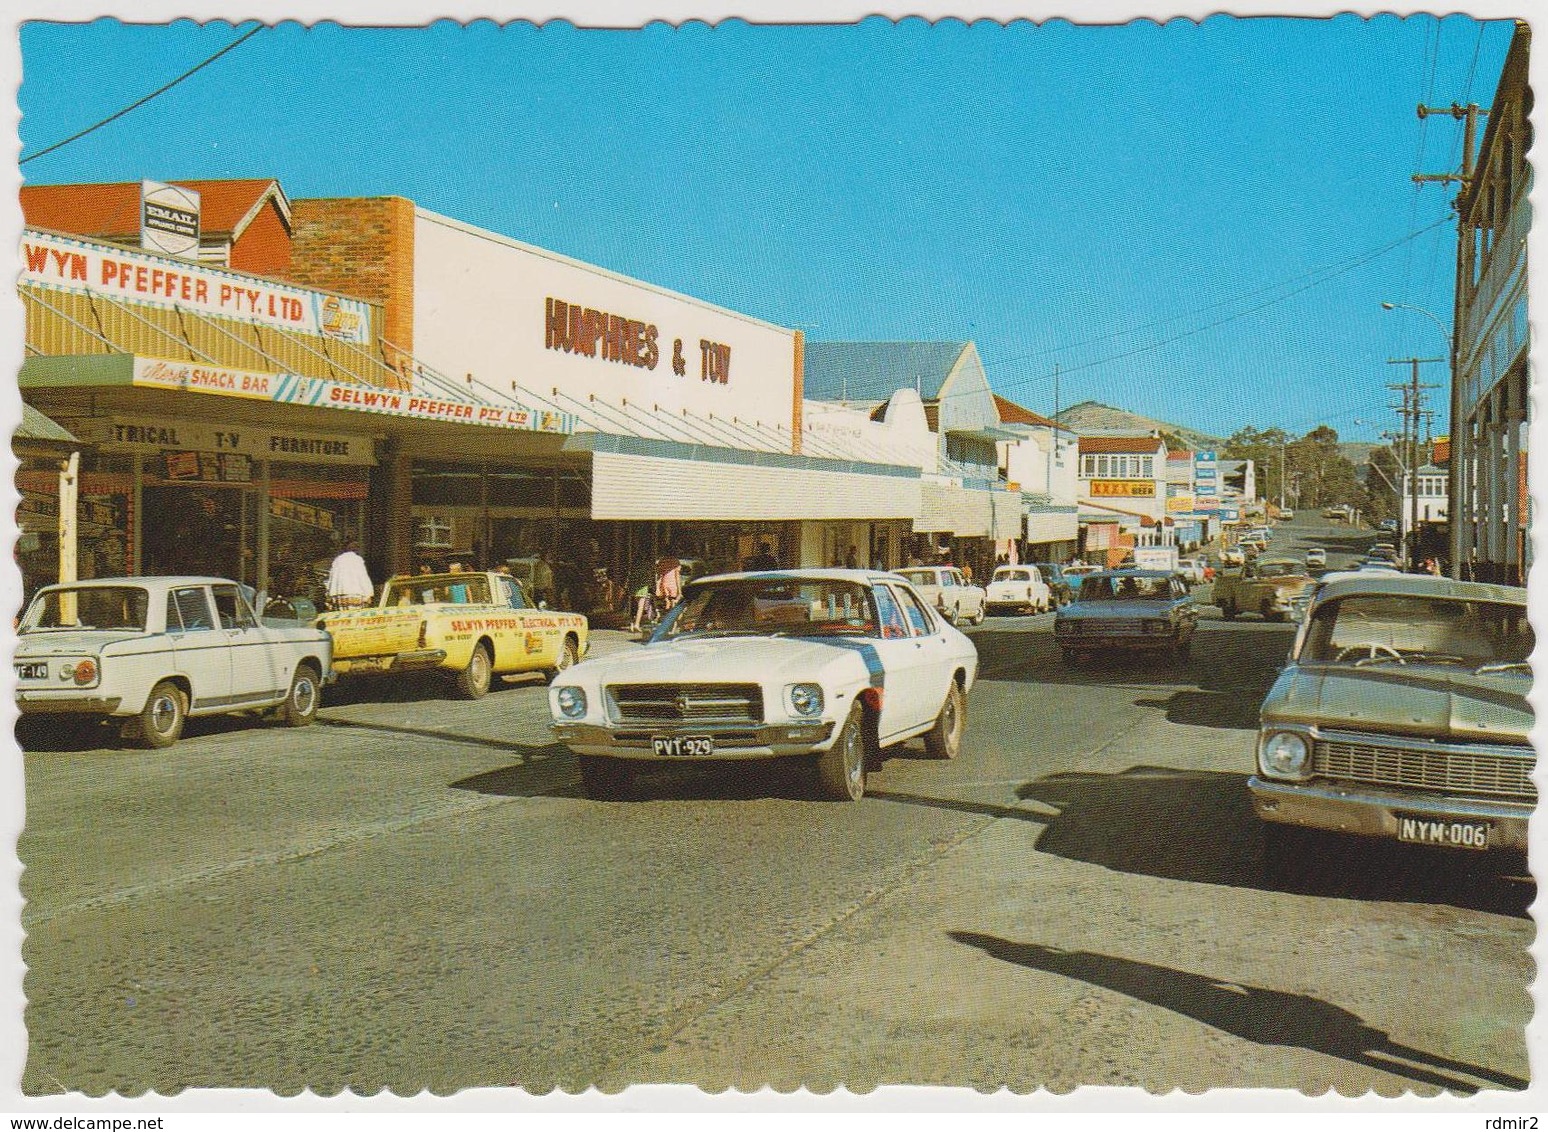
1440	452
1143	445
114	210
1012	413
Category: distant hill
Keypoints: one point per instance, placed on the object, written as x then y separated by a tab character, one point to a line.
1095	417
1356	452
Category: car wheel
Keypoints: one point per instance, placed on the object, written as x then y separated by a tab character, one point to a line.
473	681
300	706
944	740
978	618
604	779
567	658
161	720
1228	612
841	768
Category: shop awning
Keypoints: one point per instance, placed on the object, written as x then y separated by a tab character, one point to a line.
1052	525
635	478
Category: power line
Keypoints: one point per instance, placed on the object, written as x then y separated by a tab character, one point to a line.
1343	269
232	46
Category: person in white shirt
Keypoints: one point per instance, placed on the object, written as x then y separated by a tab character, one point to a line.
349	584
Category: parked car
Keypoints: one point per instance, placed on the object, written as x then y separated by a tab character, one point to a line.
832	664
1401	716
1127	609
945	588
1384	551
154	651
469	626
1286	515
1019	589
1389	525
1316	558
1061	585
1191	570
1267	586
1076	574
1232	556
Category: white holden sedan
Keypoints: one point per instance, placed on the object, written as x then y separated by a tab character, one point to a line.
832	664
1018	588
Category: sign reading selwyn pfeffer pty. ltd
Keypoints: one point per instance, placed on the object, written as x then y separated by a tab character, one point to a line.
169	219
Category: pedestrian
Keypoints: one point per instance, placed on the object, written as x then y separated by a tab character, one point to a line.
349	583
851	559
764	559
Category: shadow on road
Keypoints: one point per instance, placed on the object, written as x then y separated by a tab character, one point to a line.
1259	1014
550	771
1200	827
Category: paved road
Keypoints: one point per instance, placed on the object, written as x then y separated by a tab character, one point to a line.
413	894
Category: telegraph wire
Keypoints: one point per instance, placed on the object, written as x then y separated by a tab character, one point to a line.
232	46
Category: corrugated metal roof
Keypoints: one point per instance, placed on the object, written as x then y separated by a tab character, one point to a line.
874	371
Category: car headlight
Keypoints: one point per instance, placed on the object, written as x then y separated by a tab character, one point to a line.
805	699
571	701
1283	754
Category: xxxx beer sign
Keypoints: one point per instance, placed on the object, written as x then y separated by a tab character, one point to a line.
1123	489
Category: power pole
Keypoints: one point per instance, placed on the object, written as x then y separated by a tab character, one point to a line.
1412	411
1460	489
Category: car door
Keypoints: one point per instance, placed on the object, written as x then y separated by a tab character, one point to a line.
259	670
532	643
931	673
901	655
199	647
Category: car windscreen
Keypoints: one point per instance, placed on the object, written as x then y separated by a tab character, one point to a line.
773	606
1012	575
1408	629
89	607
1278	569
439	589
1109	588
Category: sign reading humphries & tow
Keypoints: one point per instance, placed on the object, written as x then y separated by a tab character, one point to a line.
291	389
84	268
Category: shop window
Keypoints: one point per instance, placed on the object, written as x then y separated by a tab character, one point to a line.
434	533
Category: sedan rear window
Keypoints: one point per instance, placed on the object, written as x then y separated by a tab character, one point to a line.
1124	589
89	607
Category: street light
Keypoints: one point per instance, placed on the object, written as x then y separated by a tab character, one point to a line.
1458	466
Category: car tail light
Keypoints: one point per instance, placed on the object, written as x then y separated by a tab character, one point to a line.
85	672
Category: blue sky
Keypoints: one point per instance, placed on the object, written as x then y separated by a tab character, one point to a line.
1113	200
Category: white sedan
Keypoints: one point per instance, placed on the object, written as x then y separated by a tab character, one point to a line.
832	664
1019	588
948	591
154	651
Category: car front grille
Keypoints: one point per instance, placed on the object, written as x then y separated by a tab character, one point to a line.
1488	772
1110	626
686	703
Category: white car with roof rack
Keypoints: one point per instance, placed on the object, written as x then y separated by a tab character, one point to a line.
832	664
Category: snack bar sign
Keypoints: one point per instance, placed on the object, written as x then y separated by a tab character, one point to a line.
82	268
291	389
169	219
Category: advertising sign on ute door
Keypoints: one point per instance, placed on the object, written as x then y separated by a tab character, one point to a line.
169	220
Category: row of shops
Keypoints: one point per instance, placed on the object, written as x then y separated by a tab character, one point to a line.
441	394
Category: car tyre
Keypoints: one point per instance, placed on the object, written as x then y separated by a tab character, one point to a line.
841	768
161	720
983	612
944	740
567	658
604	779
473	681
305	697
1228	612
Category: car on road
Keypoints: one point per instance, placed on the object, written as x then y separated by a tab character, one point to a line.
1402	716
1390	526
949	591
1191	570
1316	558
1384	551
833	665
1061	585
1018	589
1267	586
1232	556
1127	609
468	626
1078	573
154	651
1286	516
